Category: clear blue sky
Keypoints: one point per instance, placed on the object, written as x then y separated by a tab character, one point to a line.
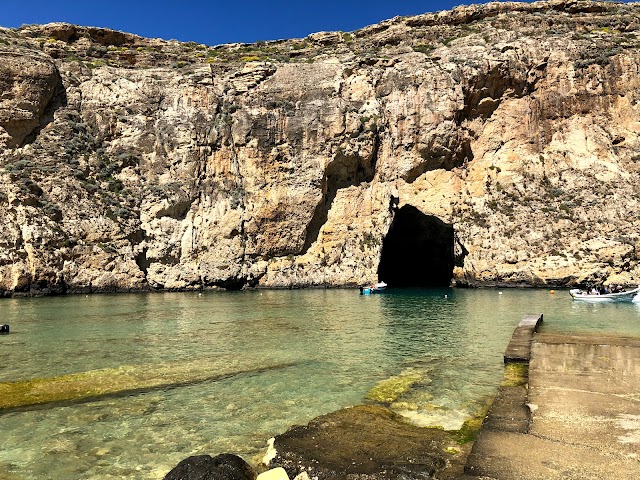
217	21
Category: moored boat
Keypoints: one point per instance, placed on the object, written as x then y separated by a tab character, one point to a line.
375	288
594	296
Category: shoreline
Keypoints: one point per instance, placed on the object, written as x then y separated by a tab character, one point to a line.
311	449
210	289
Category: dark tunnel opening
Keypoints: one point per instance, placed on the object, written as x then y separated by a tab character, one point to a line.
418	251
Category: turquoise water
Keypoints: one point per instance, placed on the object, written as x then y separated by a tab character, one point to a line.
321	350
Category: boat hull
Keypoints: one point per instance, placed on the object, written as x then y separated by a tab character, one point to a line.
371	291
605	297
377	288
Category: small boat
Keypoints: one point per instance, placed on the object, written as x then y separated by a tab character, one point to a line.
375	288
626	296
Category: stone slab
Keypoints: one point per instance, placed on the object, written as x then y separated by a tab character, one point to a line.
515	456
584	395
519	348
274	474
509	411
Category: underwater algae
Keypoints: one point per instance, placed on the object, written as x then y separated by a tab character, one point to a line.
390	389
123	380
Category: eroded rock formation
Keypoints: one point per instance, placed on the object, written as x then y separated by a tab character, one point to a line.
131	164
368	443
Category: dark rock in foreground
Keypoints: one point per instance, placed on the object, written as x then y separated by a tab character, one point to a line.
204	467
366	442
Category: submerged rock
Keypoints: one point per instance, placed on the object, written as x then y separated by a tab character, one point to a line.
389	390
124	380
225	466
366	442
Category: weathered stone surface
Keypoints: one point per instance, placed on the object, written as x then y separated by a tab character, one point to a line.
519	348
28	81
365	442
585	414
509	412
130	163
225	466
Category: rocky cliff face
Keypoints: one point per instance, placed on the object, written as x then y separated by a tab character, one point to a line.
492	144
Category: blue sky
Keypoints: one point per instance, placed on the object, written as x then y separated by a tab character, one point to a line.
215	22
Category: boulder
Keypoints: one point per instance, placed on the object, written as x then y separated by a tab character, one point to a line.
365	442
225	466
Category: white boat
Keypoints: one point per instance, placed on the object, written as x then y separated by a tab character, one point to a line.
375	288
626	296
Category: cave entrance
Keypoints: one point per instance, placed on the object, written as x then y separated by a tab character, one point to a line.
418	251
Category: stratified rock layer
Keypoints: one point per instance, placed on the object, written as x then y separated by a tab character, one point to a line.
513	129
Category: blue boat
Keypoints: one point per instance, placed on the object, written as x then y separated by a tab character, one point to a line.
375	288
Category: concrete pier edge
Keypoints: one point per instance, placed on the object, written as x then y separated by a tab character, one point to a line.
509	411
567	408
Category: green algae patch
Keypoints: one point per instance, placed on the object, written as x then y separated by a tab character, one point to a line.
515	375
469	430
119	381
389	390
471	427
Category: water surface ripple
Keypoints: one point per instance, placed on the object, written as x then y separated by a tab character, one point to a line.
337	346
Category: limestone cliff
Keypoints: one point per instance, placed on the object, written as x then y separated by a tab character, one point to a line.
490	144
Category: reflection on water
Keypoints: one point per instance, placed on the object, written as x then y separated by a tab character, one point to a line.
340	345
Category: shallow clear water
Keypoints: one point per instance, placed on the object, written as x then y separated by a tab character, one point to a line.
325	349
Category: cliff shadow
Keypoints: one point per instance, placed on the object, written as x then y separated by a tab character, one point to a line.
344	171
418	251
58	100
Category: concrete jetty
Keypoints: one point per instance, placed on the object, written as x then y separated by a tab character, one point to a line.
575	415
519	348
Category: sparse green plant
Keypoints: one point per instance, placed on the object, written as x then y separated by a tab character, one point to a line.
107	248
251	58
369	240
424	48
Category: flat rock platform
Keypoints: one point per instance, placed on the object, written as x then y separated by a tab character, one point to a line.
576	417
